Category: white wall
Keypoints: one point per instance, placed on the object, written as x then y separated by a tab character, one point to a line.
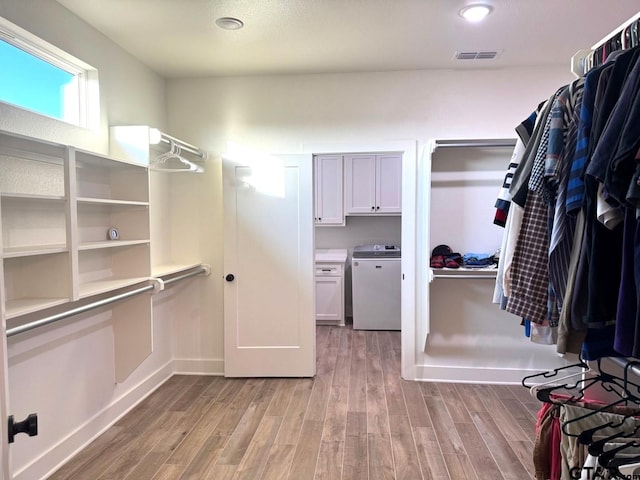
287	114
65	372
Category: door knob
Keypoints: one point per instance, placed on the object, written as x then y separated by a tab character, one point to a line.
229	277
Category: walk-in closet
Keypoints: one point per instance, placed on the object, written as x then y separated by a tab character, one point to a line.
280	240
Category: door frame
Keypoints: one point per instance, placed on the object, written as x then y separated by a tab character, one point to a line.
410	228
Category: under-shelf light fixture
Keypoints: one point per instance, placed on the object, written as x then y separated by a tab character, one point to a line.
476	12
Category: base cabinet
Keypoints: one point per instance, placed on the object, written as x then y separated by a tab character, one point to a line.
329	294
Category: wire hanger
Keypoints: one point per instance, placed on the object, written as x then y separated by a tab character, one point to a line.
159	164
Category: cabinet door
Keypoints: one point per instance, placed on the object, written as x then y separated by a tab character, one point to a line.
329	304
360	183
389	183
329	201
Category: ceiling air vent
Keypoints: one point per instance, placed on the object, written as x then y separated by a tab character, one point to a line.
477	55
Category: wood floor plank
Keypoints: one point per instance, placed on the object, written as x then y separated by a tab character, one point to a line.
161	451
355	465
377	413
205	458
279	462
483	462
248	426
136	449
221	472
510	428
329	465
403	447
472	395
317	407
431	459
524	452
380	457
446	433
307	450
358	381
506	459
257	454
459	466
190	394
335	337
197	437
229	389
169	472
342	371
430	389
238	407
454	402
294	416
282	397
114	435
418	414
335	421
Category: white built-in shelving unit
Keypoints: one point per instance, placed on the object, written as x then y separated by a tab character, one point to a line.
57	204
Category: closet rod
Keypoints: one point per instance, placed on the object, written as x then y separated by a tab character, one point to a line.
623	362
186	275
617	31
100	303
163	137
497	143
75	311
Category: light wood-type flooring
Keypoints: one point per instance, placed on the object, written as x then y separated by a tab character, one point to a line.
357	419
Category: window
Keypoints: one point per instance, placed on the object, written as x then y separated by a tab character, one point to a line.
37	76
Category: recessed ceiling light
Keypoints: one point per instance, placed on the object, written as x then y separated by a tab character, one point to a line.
229	23
476	12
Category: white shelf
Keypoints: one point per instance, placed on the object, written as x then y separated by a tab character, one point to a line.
170	269
30	250
23	306
476	273
108	201
102	286
32	196
110	244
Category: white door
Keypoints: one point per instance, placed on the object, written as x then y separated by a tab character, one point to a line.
389	183
269	322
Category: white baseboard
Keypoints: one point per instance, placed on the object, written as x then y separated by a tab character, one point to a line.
52	459
430	373
196	366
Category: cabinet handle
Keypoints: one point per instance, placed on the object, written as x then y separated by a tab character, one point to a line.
326	269
230	277
377	208
319	219
373	208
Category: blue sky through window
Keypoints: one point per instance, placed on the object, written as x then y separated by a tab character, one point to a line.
29	82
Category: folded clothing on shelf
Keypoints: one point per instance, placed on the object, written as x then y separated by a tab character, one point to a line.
478	260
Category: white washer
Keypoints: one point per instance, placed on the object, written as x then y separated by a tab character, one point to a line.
376	286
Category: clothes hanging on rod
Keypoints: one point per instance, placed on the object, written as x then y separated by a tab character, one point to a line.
576	195
571	260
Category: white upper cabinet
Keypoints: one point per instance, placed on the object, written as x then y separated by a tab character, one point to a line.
329	204
373	184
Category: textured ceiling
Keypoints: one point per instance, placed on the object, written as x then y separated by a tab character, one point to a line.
178	38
